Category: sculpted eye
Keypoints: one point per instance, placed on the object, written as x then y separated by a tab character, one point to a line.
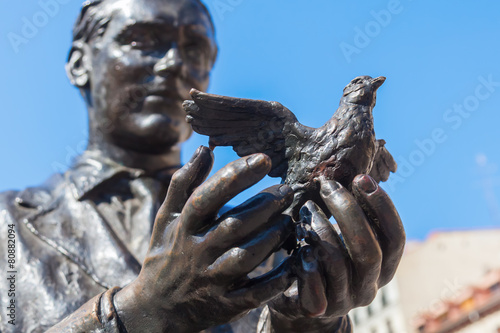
146	41
140	40
101	30
194	53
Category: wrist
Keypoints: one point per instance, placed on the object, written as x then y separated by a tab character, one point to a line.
138	315
282	323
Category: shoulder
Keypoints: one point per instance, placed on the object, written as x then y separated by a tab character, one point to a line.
31	197
49	285
17	205
8	207
7	198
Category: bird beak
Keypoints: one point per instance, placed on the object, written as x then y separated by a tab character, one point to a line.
377	82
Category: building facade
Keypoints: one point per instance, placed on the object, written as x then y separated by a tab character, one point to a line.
431	274
383	315
475	310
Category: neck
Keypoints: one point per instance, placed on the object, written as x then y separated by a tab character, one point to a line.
347	101
137	160
348	111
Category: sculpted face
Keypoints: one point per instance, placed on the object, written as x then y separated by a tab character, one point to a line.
152	52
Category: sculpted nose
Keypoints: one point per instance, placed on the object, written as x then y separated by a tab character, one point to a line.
171	63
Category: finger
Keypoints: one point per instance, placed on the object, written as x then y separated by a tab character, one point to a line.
316	218
390	231
234	178
241	222
359	238
308	296
187	179
183	183
288	303
261	289
311	286
333	257
239	261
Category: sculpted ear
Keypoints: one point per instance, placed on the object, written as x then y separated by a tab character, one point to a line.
78	66
214	56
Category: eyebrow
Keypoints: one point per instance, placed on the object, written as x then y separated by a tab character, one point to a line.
198	29
191	30
96	26
156	24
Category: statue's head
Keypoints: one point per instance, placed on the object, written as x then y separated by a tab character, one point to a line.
362	90
135	61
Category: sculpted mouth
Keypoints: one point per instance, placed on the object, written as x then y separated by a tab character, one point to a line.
167	94
162	101
167	90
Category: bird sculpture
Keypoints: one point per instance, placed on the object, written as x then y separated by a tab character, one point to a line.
341	149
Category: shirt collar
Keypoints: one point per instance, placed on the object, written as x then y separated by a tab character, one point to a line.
91	171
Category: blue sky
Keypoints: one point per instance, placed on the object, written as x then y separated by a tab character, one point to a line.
438	110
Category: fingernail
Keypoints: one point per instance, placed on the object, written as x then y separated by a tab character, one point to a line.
366	183
258	162
311	206
196	154
328	187
194	91
305	213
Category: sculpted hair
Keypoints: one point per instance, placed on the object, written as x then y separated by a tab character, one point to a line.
88	20
92	20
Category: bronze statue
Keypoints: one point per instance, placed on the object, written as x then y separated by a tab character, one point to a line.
339	150
128	241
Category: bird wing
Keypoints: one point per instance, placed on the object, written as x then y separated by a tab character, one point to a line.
249	126
383	163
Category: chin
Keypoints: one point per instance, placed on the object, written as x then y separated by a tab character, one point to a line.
152	134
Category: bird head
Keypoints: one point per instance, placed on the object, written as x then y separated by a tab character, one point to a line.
362	90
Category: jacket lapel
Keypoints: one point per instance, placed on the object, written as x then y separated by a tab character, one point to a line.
76	229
